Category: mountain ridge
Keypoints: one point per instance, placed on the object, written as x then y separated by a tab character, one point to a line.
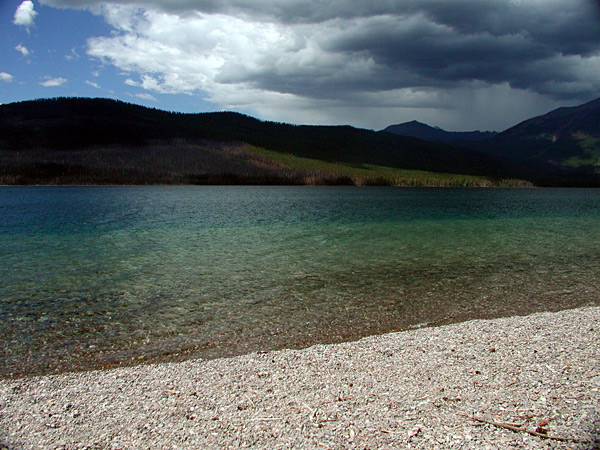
427	132
72	140
564	142
44	131
559	147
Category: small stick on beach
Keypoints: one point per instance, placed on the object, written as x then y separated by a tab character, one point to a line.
517	429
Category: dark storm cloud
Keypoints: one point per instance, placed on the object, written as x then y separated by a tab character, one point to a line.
443	44
497	17
435	51
355	52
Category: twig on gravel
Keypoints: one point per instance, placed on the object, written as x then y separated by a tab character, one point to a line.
389	431
512	427
265	419
414	432
250	400
313	412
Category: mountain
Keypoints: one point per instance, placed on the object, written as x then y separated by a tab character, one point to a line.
564	142
561	147
80	140
434	134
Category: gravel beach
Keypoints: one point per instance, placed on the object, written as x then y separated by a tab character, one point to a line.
419	389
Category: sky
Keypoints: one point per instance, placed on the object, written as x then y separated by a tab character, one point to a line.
457	64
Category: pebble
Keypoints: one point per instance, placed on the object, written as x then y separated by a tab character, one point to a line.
395	391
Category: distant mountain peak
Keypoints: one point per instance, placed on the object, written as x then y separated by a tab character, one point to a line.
566	139
426	132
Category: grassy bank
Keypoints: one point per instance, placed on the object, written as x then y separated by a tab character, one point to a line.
211	162
318	172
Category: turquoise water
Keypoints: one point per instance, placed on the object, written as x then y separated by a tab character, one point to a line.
97	276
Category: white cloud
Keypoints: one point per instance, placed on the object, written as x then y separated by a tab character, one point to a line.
25	14
22	49
352	61
213	55
145	96
93	84
53	82
6	77
72	55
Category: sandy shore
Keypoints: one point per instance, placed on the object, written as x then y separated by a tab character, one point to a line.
402	390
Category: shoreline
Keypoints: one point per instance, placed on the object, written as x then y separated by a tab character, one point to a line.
399	390
301	185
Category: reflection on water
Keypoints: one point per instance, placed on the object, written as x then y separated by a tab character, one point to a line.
96	276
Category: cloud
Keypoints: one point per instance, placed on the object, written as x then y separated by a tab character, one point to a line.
73	55
6	77
25	14
395	58
93	84
145	96
22	49
53	82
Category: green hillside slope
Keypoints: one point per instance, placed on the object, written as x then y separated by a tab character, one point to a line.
565	143
72	140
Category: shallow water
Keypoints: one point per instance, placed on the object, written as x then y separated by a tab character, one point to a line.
96	276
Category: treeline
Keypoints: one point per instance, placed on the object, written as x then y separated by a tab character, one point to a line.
103	141
74	123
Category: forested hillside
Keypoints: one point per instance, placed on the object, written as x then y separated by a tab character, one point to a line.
77	140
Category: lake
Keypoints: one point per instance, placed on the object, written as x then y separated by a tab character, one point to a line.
99	276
